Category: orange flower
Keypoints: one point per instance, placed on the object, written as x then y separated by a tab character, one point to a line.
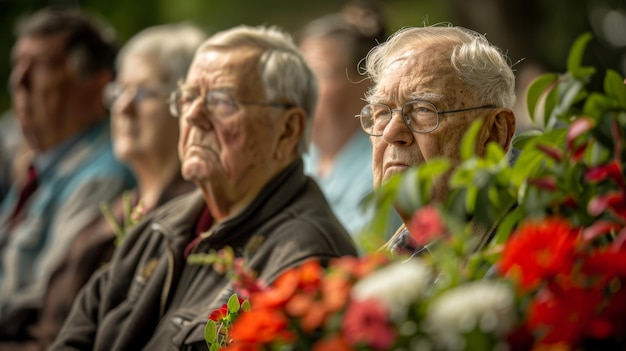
310	274
540	250
332	343
260	326
279	293
335	291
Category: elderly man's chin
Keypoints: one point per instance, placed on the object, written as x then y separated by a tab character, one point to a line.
194	170
392	171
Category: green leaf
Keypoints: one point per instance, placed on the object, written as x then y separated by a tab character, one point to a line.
521	140
245	306
506	226
468	144
597	105
233	304
494	152
614	87
470	199
575	58
569	92
552	100
210	332
536	91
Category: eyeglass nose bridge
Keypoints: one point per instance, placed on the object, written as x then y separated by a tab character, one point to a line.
404	119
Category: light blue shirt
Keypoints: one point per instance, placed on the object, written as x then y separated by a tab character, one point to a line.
348	182
74	178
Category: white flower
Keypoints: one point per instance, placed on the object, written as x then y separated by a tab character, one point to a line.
395	286
486	305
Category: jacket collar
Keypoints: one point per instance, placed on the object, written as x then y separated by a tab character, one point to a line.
179	217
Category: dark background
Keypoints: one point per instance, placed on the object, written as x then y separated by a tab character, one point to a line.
534	33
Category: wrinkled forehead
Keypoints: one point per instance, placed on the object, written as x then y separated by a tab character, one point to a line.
422	70
51	45
234	68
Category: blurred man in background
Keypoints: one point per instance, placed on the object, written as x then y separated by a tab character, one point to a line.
145	137
62	61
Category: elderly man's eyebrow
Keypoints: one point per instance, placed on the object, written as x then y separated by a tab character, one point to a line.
430	97
187	87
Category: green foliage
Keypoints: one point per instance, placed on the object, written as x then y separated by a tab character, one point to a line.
131	215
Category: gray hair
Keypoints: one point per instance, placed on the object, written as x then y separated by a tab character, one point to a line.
479	64
90	41
173	45
284	74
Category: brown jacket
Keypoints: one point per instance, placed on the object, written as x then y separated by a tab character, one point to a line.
149	298
91	249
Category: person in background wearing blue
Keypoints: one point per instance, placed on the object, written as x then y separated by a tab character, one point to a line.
340	155
62	61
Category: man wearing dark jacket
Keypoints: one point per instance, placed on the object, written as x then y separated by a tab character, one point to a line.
244	111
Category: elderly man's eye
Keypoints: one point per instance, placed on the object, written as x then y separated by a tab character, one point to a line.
188	97
380	112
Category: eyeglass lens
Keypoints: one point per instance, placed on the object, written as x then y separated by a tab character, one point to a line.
419	116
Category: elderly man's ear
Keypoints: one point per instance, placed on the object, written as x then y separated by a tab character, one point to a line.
499	127
292	129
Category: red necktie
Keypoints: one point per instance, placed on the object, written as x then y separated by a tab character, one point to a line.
27	190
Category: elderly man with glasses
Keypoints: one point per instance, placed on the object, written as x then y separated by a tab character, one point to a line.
430	84
244	109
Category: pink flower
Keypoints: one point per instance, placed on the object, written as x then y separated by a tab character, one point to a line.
366	322
426	225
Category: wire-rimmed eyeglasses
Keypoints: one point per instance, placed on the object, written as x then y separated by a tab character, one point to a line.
218	103
419	116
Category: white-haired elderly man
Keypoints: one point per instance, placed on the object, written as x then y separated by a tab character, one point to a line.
430	84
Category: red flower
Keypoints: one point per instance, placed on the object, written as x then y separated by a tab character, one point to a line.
551	151
260	326
539	250
366	322
606	264
612	171
219	313
611	322
578	127
547	182
426	225
599	228
562	315
614	202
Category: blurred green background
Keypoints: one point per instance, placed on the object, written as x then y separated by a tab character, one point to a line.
535	34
